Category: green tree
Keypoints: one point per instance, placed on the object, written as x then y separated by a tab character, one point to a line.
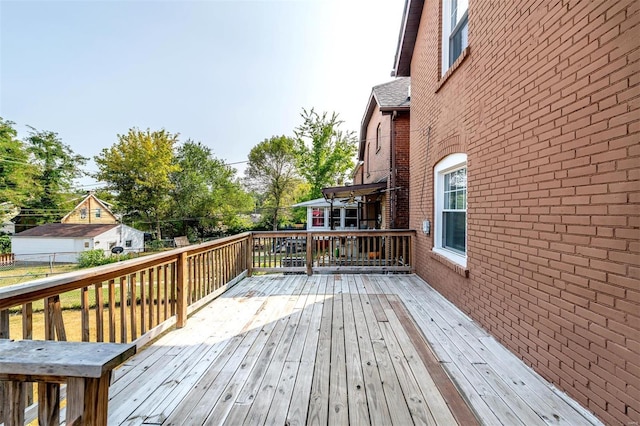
16	173
55	166
271	171
324	153
138	169
206	199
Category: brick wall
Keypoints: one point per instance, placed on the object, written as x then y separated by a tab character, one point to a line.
546	105
401	195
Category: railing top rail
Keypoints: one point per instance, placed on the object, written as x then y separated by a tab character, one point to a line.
338	232
50	286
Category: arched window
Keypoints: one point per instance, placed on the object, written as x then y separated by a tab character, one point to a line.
450	196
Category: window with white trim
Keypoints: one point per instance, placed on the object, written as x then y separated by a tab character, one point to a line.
450	195
317	217
83	213
454	31
98	212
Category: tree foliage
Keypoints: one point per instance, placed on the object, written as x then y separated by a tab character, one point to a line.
271	171
138	168
206	198
55	166
16	173
324	153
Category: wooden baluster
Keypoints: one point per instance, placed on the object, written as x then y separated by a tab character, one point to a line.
56	319
166	291
156	271
143	305
4	324
27	334
151	306
99	313
84	308
174	285
197	276
123	310
404	251
112	311
134	304
49	393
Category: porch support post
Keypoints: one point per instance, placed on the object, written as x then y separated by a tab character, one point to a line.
309	253
182	290
249	255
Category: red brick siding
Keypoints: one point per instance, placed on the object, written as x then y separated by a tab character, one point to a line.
401	194
546	107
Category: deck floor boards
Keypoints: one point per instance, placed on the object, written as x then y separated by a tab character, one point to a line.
332	349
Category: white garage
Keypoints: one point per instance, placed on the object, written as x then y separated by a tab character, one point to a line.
62	242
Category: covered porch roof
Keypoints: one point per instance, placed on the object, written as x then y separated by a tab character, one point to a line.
352	191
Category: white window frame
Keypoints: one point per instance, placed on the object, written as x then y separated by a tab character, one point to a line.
449	164
98	213
325	218
448	28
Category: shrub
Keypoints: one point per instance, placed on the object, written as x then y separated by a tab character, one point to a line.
5	243
90	258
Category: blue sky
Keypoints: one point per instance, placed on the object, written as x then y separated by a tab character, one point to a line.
226	73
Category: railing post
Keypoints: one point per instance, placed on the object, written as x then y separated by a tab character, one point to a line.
182	287
249	255
309	254
4	389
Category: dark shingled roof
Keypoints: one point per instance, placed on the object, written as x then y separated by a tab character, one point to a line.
394	93
66	230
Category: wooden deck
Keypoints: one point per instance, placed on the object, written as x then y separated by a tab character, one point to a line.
333	349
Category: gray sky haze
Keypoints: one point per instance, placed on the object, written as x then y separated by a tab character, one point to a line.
226	73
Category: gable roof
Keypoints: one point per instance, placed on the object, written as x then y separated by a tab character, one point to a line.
394	94
390	96
67	230
407	37
104	205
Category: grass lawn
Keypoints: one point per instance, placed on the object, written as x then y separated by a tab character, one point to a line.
10	275
70	303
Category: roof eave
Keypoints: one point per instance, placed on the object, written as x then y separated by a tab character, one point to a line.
407	37
395	108
371	106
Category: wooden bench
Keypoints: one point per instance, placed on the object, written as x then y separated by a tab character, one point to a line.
84	367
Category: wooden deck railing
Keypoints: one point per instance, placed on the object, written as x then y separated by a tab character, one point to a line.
136	300
7	259
333	251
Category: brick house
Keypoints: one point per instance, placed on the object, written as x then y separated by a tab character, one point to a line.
530	111
383	156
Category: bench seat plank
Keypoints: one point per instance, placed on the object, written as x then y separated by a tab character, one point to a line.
63	359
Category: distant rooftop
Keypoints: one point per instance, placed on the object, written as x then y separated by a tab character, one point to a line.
66	230
394	93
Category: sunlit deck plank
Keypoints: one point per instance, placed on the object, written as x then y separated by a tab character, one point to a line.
378	409
329	349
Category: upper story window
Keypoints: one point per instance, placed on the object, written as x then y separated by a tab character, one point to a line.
450	195
83	213
378	137
98	212
454	31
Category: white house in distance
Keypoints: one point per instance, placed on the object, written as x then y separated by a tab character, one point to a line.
62	242
320	214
